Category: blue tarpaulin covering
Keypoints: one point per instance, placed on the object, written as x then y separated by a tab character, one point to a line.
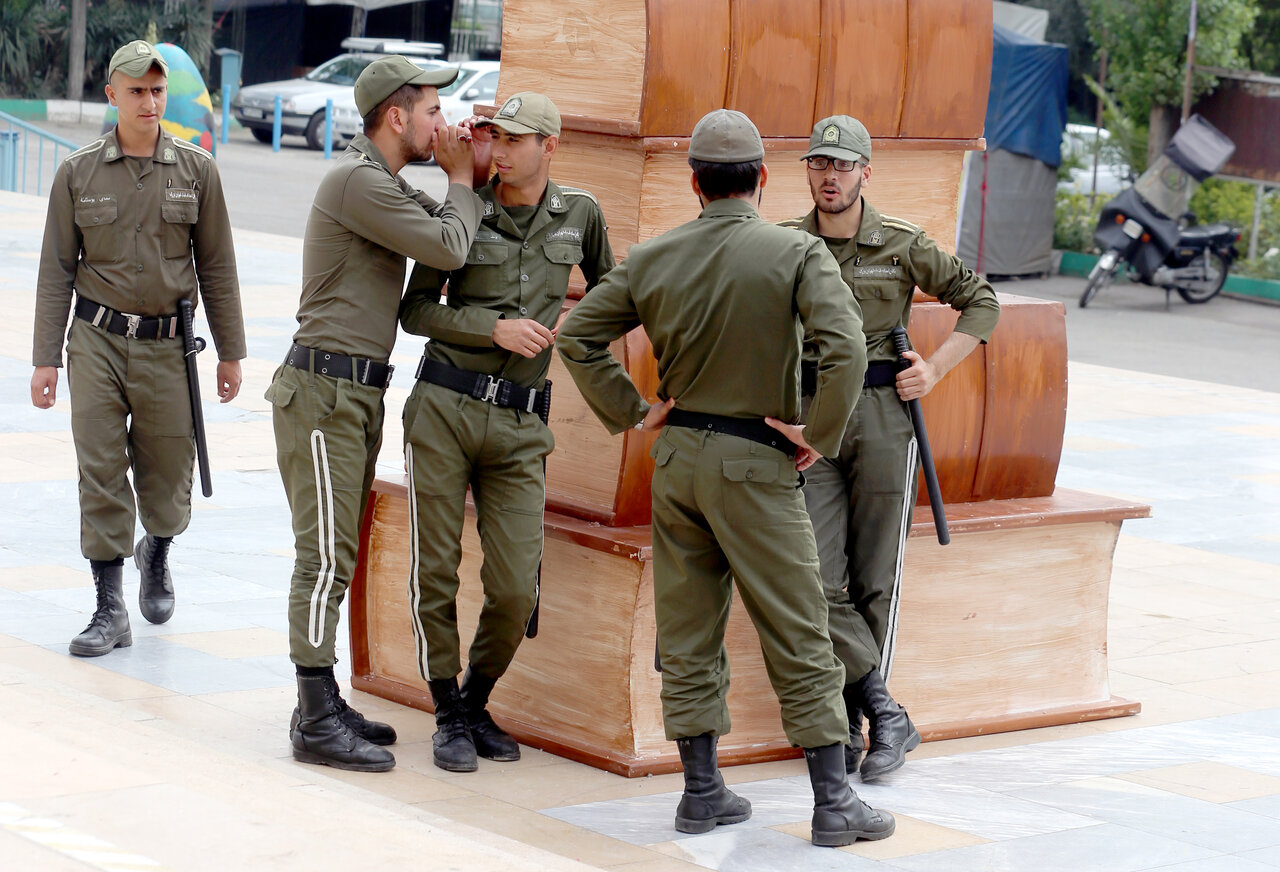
1027	109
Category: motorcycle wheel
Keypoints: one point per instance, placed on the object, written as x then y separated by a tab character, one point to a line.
1100	277
1203	292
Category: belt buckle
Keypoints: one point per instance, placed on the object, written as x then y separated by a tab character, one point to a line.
387	384
134	322
491	390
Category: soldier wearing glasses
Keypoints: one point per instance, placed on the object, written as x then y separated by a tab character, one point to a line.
860	499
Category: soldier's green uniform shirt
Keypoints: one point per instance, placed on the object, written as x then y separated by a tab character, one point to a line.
364	222
724	300
518	267
861	497
135	235
138	235
511	272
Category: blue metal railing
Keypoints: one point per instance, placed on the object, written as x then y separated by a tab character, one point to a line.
16	156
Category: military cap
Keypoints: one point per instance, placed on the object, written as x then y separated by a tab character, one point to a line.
384	76
725	136
840	137
527	112
135	58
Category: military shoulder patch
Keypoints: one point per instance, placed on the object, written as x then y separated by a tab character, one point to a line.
92	147
192	147
578	192
898	224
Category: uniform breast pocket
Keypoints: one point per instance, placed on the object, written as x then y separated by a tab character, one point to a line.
100	231
870	290
485	275
179	218
561	258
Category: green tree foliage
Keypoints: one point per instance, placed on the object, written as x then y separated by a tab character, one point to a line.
1146	44
1262	42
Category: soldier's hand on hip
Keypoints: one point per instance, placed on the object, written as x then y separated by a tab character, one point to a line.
44	387
807	455
656	417
229	377
916	380
524	336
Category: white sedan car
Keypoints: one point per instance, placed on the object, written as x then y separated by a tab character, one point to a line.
302	101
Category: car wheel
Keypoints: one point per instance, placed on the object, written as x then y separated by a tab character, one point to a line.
260	134
315	133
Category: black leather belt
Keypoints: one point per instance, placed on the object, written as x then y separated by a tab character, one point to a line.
133	326
878	375
484	387
360	369
754	429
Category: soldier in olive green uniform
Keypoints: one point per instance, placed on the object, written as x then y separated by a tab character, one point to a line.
476	417
861	498
137	222
327	396
724	300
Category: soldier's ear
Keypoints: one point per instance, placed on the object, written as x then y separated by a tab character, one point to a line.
111	93
549	145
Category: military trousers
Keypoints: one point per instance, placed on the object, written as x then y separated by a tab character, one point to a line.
861	502
726	509
328	432
453	442
130	411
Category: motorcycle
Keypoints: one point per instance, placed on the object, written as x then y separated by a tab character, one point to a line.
1136	229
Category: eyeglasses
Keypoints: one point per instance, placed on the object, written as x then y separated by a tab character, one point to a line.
821	163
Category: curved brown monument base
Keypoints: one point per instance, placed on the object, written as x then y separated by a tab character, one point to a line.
1004	629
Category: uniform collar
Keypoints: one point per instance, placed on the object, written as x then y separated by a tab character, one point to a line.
365	146
728	206
553	202
166	152
870	231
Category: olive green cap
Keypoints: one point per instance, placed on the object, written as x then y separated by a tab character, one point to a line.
840	137
384	76
725	136
135	58
527	112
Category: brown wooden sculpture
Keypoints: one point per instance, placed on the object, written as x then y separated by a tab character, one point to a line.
1006	627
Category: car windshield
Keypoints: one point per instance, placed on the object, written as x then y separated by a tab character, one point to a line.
339	71
467	74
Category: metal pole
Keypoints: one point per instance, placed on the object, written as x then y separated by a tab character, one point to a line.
1259	196
226	113
1097	127
1191	64
328	129
275	126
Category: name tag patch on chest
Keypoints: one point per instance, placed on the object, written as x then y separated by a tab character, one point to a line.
183	195
565	234
95	199
484	234
880	271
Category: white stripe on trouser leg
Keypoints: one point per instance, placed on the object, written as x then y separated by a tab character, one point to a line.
415	592
325	537
891	635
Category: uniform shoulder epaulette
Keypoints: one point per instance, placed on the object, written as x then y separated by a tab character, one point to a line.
578	192
191	146
91	148
793	223
898	224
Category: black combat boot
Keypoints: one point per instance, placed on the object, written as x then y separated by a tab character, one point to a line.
109	627
706	801
892	733
452	746
371	731
321	736
491	741
155	594
839	817
853	750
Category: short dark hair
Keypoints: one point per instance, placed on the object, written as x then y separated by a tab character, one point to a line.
406	97
720	180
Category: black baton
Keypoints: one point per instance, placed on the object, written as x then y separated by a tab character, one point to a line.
544	412
191	346
901	346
